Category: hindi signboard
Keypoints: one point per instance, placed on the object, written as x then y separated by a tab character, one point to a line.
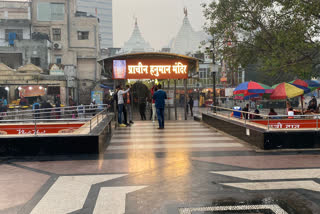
150	69
56	71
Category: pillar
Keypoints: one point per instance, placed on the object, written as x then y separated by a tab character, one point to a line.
175	100
185	99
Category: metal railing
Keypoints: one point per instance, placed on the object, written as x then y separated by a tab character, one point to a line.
83	111
36	126
269	122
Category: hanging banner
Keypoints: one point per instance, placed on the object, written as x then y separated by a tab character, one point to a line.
32	91
170	97
150	69
98	97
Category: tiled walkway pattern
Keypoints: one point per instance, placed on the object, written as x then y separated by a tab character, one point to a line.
185	168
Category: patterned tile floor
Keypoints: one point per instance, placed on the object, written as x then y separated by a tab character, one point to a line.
185	168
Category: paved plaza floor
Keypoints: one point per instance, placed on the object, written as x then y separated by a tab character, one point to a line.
187	168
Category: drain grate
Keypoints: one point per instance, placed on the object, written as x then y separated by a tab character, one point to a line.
267	209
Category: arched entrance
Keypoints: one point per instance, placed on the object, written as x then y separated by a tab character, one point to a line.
167	68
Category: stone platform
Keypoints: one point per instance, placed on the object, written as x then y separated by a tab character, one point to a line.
187	168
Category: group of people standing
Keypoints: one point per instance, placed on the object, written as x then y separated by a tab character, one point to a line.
123	99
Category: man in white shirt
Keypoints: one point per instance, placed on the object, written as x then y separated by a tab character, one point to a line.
120	94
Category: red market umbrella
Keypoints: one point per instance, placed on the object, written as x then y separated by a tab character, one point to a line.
251	88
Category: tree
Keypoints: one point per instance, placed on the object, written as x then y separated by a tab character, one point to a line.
279	36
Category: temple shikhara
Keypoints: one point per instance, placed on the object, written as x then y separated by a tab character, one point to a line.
136	42
187	40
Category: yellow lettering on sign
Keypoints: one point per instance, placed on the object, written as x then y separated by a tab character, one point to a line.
140	69
157	70
179	68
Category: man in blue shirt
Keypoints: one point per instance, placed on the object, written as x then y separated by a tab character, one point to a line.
159	97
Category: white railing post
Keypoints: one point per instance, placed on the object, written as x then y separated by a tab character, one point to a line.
35	127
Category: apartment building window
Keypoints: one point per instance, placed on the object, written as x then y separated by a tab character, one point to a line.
35	61
50	11
83	35
19	33
56	34
58	59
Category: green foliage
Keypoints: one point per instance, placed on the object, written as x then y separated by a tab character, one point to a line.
280	36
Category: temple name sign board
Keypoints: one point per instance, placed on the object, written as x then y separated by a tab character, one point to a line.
150	69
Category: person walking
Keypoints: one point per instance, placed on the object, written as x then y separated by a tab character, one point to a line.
36	109
120	94
58	107
153	108
142	108
159	96
191	105
128	102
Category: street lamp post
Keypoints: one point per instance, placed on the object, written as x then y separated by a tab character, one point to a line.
213	77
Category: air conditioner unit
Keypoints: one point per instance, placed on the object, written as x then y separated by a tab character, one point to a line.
57	46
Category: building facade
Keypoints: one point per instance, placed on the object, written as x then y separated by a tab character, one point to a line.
75	43
17	45
103	10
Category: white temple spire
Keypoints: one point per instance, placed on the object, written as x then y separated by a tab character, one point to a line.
136	42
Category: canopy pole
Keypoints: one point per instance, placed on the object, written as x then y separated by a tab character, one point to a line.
169	110
301	98
185	99
174	100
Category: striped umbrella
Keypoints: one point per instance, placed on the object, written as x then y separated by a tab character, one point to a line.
302	85
285	91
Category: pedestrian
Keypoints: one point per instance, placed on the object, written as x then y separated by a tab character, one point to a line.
314	100
153	107
290	113
81	111
47	106
4	102
2	111
142	108
160	96
272	112
93	107
36	109
245	115
58	107
128	103
120	94
191	104
256	116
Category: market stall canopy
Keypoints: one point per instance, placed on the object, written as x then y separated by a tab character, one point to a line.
285	90
302	85
313	84
4	69
252	87
30	68
247	97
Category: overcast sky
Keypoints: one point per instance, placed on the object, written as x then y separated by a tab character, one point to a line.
159	20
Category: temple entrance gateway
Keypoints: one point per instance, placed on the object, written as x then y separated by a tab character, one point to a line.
169	70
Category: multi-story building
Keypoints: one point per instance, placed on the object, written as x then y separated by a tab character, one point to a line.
103	10
17	44
75	38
